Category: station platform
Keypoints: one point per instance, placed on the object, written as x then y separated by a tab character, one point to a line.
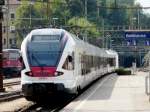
113	93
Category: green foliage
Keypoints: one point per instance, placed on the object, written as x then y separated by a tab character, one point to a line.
83	25
72	12
77	7
60	10
29	16
122	71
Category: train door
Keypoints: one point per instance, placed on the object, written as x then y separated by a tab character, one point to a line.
84	72
78	69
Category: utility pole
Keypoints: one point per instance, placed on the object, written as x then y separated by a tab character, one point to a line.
115	3
31	6
54	22
7	24
85	9
47	10
30	15
1	58
85	12
138	18
102	24
98	12
103	33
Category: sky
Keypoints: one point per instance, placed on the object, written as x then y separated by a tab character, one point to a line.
145	3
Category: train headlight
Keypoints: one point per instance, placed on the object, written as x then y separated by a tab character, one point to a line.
57	73
29	73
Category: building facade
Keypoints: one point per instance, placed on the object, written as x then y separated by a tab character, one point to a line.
9	33
131	45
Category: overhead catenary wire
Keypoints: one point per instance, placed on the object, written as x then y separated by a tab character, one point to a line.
107	7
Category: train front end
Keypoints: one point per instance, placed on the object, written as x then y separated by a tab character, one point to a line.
43	55
11	64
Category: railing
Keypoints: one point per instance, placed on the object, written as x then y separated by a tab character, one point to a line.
147	85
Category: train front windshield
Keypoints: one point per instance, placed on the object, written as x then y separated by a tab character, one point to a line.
11	55
44	53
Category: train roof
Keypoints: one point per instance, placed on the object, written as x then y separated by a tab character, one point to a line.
50	31
11	50
111	52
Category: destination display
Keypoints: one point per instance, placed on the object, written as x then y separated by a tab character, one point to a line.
133	34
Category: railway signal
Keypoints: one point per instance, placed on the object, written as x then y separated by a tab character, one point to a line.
1	66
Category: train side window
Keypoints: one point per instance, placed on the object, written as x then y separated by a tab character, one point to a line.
68	64
5	56
70	59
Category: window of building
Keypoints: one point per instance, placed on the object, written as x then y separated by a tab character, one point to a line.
4	29
10	41
12	15
4	41
15	41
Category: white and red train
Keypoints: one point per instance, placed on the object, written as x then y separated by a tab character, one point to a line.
11	63
56	60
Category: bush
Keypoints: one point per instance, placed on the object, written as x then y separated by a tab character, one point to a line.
122	71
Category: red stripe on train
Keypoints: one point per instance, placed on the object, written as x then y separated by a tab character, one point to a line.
11	63
43	71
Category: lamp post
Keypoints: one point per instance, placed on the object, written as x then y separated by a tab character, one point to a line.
107	42
132	20
111	43
54	21
138	18
31	3
103	28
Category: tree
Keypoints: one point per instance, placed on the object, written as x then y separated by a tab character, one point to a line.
29	16
60	10
77	8
82	27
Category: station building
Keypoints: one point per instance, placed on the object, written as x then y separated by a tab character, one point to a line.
9	30
132	45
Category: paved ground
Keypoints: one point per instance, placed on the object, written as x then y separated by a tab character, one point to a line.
114	94
13	88
12	106
11	80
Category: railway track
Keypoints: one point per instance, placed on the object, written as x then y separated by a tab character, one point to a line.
10	95
11	84
54	104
